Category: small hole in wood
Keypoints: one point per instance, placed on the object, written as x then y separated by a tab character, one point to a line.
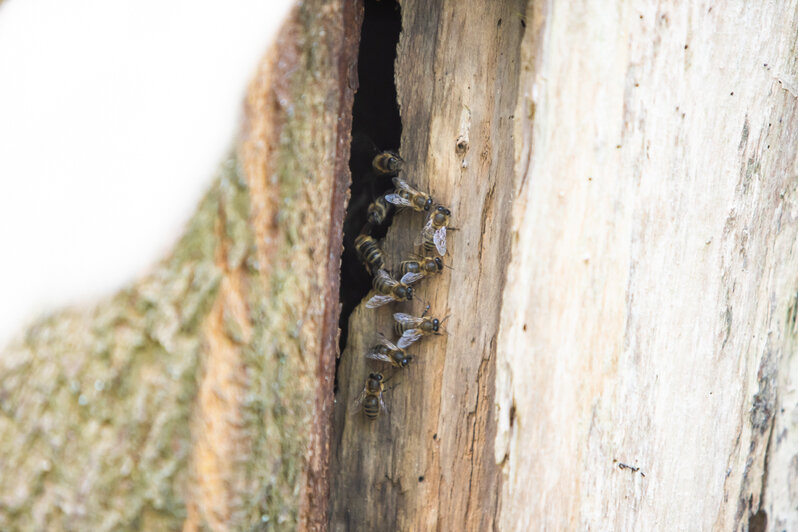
758	522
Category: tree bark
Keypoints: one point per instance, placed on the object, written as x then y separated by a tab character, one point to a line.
623	296
199	397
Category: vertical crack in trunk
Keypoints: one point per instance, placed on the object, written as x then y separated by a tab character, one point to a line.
376	126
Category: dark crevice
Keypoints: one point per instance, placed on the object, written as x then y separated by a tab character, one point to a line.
376	126
758	522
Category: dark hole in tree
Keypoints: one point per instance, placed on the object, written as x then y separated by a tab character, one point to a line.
376	126
758	522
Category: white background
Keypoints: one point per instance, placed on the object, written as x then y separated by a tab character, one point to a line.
114	115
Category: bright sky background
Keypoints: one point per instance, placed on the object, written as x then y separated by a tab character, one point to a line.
114	115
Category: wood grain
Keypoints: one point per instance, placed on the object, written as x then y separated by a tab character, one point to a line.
429	463
655	266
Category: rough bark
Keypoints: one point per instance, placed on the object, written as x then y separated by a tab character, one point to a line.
199	397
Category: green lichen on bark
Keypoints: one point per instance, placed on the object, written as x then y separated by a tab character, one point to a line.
95	403
98	405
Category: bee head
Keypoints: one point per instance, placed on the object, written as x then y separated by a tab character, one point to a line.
428	204
376	376
405	360
439	218
439	263
435	324
394	163
409	293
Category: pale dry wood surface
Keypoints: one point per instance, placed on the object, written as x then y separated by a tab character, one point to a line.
198	397
649	314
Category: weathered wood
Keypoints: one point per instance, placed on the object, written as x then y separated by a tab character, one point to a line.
624	292
429	463
647	315
199	397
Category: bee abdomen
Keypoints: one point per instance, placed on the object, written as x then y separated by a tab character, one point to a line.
371	406
383	286
409	266
369	252
378	211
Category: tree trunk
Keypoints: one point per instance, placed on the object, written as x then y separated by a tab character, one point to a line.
644	354
199	397
430	462
623	296
655	228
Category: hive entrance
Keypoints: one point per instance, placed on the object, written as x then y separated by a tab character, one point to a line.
376	126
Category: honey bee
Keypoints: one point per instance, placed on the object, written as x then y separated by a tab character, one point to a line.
433	235
407	196
387	163
370	399
389	289
412	328
369	253
387	351
378	211
423	265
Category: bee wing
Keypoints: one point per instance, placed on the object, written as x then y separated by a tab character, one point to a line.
428	227
410	278
382	274
440	240
378	301
382	404
376	355
401	184
407	320
409	336
387	343
426	232
397	200
357	405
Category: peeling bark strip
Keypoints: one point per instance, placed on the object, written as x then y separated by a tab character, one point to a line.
200	397
655	255
429	463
